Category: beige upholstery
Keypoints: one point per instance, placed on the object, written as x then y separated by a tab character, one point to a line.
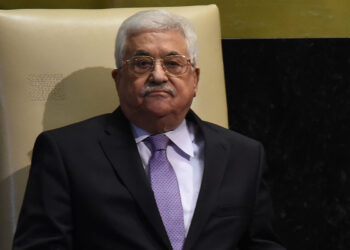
55	69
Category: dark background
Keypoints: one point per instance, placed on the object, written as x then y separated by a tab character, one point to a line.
294	96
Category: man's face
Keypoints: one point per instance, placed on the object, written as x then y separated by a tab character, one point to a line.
160	102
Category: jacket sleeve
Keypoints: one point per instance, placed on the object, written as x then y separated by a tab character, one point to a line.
260	235
45	220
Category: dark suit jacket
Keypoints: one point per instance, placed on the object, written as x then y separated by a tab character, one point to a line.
88	190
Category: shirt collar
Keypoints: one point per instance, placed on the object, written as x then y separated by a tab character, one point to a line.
180	136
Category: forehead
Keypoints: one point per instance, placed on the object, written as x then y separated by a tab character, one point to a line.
156	43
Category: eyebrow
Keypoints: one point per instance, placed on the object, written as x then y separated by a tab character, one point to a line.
142	53
173	53
145	53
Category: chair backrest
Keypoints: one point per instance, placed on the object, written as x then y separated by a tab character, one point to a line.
55	69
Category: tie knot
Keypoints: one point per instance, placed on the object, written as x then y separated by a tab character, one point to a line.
159	142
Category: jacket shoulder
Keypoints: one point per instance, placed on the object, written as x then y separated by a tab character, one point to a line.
230	135
89	127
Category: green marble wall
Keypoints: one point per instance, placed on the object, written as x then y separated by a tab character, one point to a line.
240	18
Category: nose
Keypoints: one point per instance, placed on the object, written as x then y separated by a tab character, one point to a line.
158	74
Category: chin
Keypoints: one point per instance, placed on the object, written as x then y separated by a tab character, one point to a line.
158	108
159	112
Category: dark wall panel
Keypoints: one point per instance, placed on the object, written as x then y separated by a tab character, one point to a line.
294	96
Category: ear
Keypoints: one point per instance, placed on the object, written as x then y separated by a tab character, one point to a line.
115	75
196	73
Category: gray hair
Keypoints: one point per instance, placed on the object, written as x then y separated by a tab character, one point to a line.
155	20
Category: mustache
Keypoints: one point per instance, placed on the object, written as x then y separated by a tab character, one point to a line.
159	87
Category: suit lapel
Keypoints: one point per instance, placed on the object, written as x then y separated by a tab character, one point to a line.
120	148
215	157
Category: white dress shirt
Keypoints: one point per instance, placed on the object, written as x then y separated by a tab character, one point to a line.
185	154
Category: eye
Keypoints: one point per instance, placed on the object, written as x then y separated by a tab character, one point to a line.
171	63
143	63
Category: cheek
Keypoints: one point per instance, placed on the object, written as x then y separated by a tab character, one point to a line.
131	87
136	87
132	92
186	87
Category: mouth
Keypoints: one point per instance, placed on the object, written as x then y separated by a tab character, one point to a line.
158	91
158	94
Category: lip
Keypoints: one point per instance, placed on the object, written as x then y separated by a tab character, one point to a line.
158	93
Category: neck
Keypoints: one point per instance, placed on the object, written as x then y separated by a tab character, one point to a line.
156	124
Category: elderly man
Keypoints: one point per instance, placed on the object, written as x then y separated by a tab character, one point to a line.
152	175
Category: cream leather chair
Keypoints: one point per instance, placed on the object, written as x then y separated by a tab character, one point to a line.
55	69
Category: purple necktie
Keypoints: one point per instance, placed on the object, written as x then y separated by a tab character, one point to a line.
166	191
